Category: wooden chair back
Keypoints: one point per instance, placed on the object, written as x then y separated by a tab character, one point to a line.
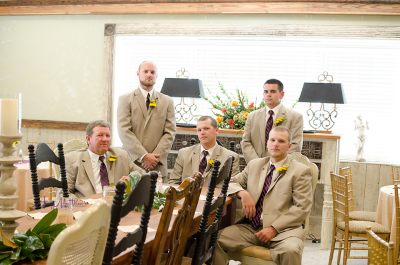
190	190
232	146
52	144
84	241
380	252
394	173
43	154
340	199
397	203
192	142
143	194
203	253
347	171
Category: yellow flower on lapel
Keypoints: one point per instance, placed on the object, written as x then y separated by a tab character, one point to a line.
211	162
112	158
283	169
153	103
280	120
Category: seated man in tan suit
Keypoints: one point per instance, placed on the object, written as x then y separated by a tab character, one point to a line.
146	122
194	158
276	194
89	169
260	122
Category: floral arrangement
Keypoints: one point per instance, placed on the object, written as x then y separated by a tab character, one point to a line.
30	244
234	110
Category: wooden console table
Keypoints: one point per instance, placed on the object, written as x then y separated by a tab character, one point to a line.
322	149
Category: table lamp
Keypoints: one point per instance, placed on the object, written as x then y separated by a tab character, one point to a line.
323	93
183	87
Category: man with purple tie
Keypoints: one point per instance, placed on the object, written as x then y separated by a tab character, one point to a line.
276	194
260	122
198	157
89	169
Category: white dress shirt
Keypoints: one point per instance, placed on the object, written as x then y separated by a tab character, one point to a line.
210	152
96	169
275	110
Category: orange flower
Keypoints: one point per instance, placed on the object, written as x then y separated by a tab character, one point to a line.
234	103
245	114
251	105
223	110
231	122
219	119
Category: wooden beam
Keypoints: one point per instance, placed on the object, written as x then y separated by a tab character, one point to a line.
58	125
320	8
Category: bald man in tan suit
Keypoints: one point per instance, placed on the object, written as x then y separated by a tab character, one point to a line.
254	137
146	122
276	193
188	160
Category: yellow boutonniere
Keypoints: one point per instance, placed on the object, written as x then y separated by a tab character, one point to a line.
14	143
153	103
283	169
211	162
112	158
280	120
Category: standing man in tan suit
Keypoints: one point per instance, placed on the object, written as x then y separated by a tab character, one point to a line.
260	122
146	122
89	169
276	194
190	159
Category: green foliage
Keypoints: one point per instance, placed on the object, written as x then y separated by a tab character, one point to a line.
31	244
234	110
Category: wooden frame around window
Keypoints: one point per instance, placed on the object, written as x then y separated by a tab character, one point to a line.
342	31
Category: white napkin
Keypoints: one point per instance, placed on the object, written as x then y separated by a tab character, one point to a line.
77	215
37	216
131	228
90	201
203	198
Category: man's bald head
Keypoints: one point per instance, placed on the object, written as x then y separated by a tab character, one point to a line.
140	65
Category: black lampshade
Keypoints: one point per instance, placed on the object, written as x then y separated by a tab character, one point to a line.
182	87
323	93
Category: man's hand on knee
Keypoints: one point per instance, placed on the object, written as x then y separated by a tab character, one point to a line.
248	204
266	234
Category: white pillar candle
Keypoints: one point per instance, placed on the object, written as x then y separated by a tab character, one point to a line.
9	116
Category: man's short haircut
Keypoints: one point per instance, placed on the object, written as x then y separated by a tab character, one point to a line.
283	129
275	82
147	62
213	121
92	124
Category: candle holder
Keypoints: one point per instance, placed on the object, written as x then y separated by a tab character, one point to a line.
8	186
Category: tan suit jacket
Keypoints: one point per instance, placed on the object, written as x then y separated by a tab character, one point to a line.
188	161
289	197
146	131
80	175
253	143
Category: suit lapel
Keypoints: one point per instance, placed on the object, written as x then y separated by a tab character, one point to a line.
110	168
196	158
262	120
151	110
216	154
141	101
87	165
263	175
280	175
281	114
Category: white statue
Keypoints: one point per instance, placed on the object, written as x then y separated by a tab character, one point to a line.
361	138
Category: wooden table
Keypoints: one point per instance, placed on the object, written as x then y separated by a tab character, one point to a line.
133	218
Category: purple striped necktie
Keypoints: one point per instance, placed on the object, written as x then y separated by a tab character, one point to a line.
203	162
268	128
260	203
148	100
103	173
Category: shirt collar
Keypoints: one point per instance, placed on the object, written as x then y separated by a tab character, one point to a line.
145	92
210	151
278	164
94	157
275	110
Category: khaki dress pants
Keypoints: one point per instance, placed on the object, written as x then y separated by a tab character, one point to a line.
240	236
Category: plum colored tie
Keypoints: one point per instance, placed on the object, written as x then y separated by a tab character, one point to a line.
259	205
203	162
103	173
268	128
148	100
